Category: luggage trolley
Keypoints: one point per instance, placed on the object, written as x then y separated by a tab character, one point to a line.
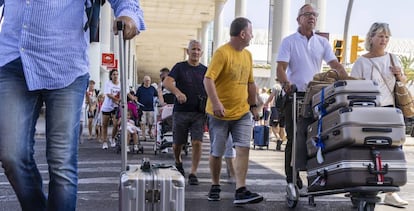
364	198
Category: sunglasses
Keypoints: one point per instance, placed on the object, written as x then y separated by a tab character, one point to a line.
308	14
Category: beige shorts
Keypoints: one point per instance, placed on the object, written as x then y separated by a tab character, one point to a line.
147	118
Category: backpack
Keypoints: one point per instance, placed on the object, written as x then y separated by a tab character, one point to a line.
93	19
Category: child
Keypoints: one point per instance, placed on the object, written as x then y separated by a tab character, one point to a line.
98	118
132	130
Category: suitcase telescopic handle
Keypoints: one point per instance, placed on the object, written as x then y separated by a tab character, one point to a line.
120	27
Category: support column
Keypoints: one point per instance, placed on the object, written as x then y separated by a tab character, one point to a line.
95	62
218	24
320	6
280	29
204	42
105	40
240	8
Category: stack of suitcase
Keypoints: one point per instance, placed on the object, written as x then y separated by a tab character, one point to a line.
353	141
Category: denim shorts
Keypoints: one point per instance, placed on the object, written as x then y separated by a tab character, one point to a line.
184	122
230	152
240	131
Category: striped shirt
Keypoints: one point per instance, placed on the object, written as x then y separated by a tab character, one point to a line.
49	38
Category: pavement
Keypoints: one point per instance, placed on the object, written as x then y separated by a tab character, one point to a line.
99	173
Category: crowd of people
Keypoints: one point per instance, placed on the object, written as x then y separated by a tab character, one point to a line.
222	96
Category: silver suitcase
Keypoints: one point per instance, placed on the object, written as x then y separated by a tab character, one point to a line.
159	188
152	187
357	166
363	126
346	93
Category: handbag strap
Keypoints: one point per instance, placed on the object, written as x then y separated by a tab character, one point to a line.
374	66
393	64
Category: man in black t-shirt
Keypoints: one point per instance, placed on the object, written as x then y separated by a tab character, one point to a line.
185	81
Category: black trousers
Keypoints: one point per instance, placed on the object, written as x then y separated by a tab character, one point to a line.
301	135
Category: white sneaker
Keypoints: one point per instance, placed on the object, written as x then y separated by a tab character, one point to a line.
394	199
105	145
136	148
113	144
164	150
127	149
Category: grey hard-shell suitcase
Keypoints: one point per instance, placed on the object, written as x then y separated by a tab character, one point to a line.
357	166
363	126
151	187
346	93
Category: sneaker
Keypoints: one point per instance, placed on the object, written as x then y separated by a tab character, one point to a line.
279	145
127	149
192	179
243	196
214	193
105	145
113	144
165	150
136	149
180	168
394	200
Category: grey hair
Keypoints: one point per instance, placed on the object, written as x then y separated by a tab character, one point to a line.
306	5
376	28
192	42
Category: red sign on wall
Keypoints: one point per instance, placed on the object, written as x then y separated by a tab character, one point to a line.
108	59
114	66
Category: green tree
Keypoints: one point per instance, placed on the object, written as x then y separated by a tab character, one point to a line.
407	63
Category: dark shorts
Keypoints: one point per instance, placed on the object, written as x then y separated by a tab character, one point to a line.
185	122
276	118
91	114
109	113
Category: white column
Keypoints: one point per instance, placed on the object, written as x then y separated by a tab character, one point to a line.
240	8
280	29
218	24
204	42
95	62
105	39
320	6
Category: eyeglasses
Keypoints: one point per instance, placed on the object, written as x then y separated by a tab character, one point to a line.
308	14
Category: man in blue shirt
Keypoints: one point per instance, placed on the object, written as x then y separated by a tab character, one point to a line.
145	96
44	60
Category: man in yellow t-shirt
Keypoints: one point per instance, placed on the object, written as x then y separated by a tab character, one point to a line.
231	96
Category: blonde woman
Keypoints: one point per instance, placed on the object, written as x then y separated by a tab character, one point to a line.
377	65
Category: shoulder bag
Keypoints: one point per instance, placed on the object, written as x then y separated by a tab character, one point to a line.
402	96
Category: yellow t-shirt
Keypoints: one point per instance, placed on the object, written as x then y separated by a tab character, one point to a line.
231	72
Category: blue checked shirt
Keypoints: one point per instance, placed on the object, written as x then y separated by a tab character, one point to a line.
49	38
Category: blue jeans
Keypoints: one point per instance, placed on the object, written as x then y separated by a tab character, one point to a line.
19	112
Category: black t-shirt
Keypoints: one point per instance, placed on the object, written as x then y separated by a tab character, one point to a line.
189	80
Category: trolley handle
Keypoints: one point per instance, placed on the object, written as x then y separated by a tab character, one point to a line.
120	25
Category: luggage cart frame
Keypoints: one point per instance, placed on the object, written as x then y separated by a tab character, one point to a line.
363	198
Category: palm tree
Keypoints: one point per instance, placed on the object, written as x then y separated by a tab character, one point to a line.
406	63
